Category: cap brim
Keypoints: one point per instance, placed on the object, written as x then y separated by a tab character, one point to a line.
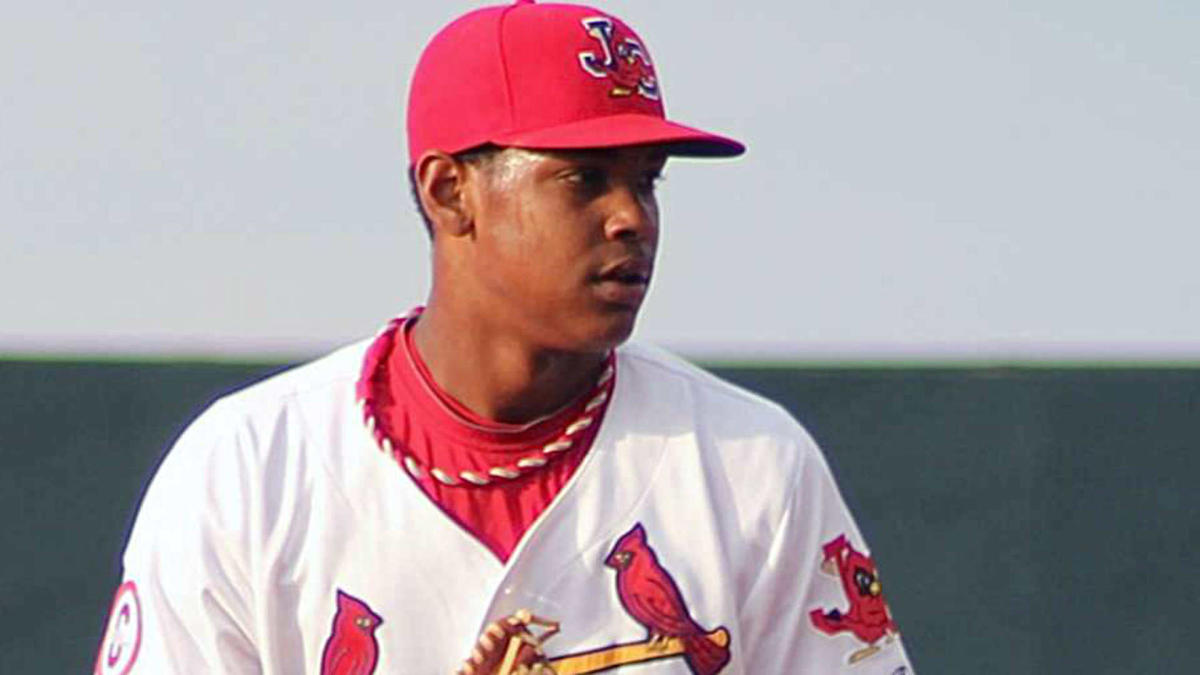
624	130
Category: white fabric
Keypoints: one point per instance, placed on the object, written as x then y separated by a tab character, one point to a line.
276	498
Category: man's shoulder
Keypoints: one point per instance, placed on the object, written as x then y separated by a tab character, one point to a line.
660	367
247	429
253	417
760	451
334	373
670	379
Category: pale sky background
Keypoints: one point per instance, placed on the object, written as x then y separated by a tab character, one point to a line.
995	180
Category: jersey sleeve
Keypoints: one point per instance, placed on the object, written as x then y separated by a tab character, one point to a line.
817	605
186	597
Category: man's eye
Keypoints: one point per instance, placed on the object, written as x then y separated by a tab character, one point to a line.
588	178
651	181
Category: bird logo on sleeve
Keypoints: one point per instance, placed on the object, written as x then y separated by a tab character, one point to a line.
867	617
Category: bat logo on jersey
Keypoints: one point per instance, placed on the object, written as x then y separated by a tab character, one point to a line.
351	648
123	635
649	593
651	597
867	618
621	58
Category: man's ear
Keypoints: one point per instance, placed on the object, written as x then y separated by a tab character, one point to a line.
442	186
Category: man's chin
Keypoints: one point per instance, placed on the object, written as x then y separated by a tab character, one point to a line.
607	329
618	325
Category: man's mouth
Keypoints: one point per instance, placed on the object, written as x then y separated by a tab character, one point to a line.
624	283
635	272
628	278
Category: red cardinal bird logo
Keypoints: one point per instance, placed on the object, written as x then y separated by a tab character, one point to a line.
867	618
650	595
351	648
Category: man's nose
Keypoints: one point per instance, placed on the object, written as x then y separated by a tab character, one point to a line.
632	214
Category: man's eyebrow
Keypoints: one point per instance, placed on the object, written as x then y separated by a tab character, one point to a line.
586	155
604	155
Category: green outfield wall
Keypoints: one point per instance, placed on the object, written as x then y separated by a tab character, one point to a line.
1026	520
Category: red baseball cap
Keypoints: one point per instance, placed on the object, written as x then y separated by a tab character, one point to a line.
543	76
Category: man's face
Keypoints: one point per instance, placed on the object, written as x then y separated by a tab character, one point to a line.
564	242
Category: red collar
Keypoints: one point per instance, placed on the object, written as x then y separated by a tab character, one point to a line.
394	375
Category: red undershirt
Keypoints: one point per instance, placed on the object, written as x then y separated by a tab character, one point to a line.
426	428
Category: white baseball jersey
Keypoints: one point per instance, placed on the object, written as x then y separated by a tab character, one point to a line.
277	538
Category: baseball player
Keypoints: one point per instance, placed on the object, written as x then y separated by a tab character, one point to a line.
495	483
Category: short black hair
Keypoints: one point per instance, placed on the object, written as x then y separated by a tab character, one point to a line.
478	155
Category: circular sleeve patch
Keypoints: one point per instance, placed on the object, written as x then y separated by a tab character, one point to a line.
122	635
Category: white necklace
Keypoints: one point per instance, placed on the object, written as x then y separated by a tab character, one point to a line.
532	460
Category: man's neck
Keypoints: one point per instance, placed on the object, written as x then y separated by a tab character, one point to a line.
500	376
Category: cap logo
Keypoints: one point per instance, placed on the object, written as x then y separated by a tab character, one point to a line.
622	59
